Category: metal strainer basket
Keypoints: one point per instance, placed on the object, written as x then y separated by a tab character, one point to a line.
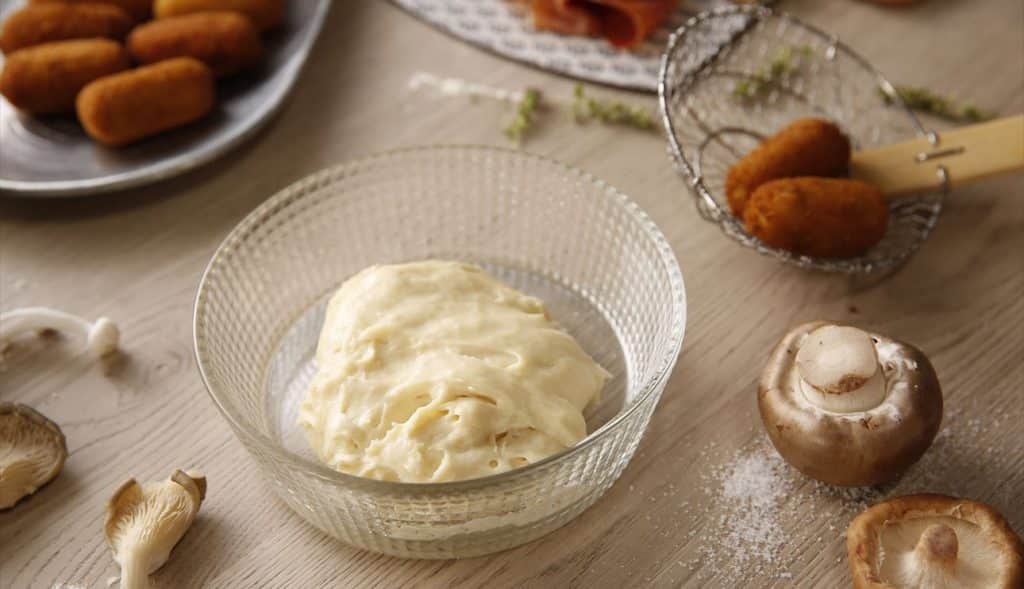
710	125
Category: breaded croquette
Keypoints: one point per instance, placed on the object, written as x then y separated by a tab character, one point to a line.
225	41
119	109
264	14
42	23
806	147
45	79
139	10
822	217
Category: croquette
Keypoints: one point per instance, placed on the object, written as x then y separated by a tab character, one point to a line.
821	217
45	79
806	147
264	14
139	10
123	108
225	41
42	23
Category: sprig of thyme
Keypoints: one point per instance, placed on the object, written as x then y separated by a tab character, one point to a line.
609	112
525	117
786	61
926	101
530	104
583	110
789	59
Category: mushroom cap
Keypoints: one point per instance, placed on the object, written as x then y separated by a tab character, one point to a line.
886	541
851	448
147	521
103	337
32	452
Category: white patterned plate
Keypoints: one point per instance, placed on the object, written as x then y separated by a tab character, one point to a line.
506	28
52	156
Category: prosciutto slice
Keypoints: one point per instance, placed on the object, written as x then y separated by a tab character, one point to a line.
624	23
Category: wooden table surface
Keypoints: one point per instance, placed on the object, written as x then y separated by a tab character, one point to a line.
137	257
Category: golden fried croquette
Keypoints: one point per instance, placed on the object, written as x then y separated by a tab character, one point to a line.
264	14
45	79
139	10
806	147
225	41
131	105
821	217
41	23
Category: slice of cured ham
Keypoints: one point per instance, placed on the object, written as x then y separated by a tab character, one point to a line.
624	23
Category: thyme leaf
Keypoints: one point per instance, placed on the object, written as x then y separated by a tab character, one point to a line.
786	61
926	101
526	115
609	112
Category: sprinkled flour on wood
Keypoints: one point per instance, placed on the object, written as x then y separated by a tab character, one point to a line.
762	507
755	485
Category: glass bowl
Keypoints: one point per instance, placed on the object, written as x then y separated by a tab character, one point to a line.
604	270
715	55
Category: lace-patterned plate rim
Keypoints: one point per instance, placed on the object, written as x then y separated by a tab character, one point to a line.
511	35
708	206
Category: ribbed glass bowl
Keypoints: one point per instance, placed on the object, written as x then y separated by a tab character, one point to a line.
604	270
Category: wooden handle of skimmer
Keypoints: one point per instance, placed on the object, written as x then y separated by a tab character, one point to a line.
966	154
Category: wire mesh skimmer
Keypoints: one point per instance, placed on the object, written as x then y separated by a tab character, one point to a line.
732	77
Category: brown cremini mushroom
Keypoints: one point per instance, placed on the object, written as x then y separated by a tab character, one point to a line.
32	452
145	522
933	542
848	407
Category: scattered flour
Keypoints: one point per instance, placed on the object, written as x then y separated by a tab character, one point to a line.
755	486
459	87
751	491
763	508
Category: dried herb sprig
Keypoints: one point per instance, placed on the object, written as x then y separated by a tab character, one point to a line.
530	104
609	112
926	101
786	61
526	115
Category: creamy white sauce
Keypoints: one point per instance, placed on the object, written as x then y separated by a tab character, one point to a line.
435	371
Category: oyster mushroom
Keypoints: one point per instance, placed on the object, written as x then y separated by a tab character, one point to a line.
933	542
848	407
101	336
144	522
32	452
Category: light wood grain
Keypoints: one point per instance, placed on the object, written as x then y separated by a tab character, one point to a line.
137	257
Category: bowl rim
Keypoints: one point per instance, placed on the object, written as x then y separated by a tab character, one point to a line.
654	385
713	212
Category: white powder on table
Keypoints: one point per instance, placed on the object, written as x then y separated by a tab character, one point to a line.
762	505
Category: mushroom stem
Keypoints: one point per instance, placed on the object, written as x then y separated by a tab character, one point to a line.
839	371
102	336
145	522
938	546
133	572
